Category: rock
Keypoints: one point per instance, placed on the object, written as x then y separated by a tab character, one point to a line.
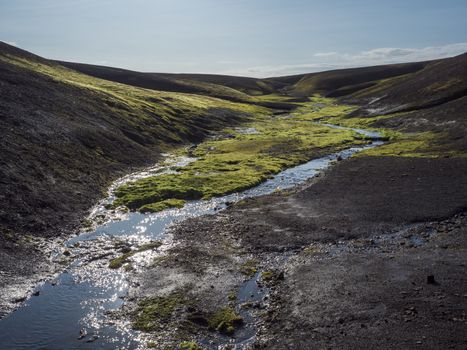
125	249
430	279
19	300
36	293
82	334
93	338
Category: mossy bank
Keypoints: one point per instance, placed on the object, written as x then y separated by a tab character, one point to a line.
243	157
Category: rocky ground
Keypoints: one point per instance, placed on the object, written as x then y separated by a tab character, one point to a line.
401	292
370	254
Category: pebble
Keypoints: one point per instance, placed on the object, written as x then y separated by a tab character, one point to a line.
93	338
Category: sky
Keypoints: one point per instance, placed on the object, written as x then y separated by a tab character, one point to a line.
241	37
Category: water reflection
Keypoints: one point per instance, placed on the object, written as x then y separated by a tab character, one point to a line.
70	312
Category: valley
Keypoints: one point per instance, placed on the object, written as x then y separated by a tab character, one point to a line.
323	210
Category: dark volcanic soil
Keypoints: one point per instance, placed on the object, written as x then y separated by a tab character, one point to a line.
356	247
375	295
357	198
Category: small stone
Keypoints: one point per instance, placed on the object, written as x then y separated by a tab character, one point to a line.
82	334
125	249
36	293
19	300
93	338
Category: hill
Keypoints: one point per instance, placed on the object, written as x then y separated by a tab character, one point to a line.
74	133
342	82
160	82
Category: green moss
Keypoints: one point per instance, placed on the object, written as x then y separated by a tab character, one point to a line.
159	206
443	85
154	312
189	345
125	258
118	262
232	296
87	224
424	144
241	161
225	320
267	276
8	235
311	250
249	267
159	260
270	278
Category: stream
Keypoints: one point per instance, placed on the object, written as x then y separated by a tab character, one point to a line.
72	310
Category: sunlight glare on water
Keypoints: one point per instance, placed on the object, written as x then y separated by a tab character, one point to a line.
71	311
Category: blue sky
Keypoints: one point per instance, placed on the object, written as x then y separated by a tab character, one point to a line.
243	37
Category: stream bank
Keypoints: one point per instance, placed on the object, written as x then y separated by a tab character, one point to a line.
75	308
353	254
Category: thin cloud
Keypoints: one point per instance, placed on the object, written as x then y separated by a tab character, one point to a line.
335	60
325	54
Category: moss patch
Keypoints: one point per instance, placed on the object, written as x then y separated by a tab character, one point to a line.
124	258
272	277
189	345
421	144
239	161
249	267
159	206
152	313
267	276
225	320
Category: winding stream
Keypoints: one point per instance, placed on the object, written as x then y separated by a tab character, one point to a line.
72	311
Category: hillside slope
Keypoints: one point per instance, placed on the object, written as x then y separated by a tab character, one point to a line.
341	82
437	83
66	135
159	81
433	99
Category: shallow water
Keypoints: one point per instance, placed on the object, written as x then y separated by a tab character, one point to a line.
70	311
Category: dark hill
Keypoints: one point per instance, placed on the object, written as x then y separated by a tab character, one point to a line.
341	82
437	83
433	99
250	86
65	135
225	86
160	81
